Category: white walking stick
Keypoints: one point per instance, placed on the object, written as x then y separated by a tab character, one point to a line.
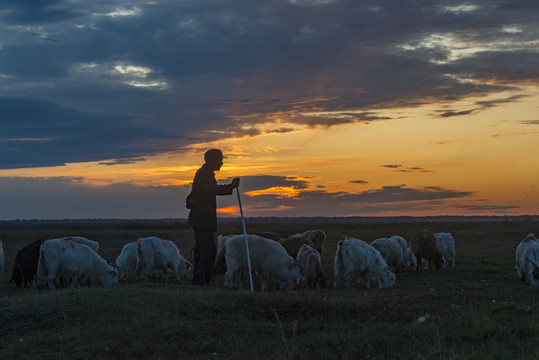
246	243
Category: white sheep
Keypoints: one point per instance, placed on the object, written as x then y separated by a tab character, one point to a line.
155	253
1	262
391	251
68	259
94	245
446	245
127	260
267	257
355	258
527	259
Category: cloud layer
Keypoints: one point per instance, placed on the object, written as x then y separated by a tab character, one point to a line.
89	81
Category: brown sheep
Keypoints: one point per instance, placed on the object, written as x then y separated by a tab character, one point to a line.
293	243
318	237
423	245
271	235
25	264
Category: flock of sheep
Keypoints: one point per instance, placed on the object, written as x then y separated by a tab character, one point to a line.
281	262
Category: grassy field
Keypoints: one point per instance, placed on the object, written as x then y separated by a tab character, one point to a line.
477	310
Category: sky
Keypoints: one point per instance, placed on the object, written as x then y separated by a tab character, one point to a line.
322	107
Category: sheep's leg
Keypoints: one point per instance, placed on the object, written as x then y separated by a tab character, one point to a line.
348	276
50	280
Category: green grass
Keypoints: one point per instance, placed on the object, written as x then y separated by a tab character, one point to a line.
478	310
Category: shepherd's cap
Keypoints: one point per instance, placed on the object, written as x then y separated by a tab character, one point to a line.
213	154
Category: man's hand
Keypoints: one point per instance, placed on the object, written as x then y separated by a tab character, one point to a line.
235	183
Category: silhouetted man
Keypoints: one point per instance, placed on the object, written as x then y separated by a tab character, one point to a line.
203	215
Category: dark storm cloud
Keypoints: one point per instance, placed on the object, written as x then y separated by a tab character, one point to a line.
131	78
359	181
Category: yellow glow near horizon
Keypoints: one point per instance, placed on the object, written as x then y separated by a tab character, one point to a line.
280	191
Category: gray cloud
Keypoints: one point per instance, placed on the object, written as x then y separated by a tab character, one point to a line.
487	208
399	168
118	79
67	197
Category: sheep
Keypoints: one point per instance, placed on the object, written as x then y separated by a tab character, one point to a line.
446	245
527	259
155	253
271	235
25	265
293	243
66	258
356	258
318	238
403	244
94	245
1	262
219	267
424	245
267	257
391	251
309	258
127	260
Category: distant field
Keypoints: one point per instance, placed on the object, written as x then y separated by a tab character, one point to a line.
478	310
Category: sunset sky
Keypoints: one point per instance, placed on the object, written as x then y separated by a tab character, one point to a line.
323	107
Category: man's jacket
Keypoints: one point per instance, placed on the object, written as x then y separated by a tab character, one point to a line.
202	201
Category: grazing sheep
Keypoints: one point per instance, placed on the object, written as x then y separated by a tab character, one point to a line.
315	277
155	253
219	268
424	245
1	263
293	243
127	260
271	235
527	259
404	246
25	264
446	245
318	238
356	258
268	258
94	245
391	251
68	259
